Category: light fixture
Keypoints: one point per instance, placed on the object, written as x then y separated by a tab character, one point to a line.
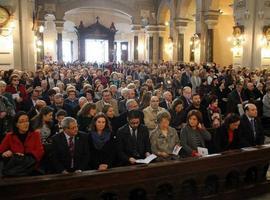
140	48
41	29
195	42
237	40
247	14
261	14
39	43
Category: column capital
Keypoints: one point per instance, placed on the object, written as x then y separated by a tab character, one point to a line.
136	28
59	25
211	18
154	28
181	24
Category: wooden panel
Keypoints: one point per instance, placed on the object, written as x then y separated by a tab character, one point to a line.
232	175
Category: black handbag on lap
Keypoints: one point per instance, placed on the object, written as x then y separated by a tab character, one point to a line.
19	165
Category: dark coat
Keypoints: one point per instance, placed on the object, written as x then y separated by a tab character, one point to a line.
105	155
221	139
233	100
246	134
204	112
61	159
125	147
84	123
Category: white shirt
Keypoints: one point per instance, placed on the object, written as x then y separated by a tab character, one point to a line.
131	131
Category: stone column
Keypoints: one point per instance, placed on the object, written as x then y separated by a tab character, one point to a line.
155	31
50	39
135	29
211	19
253	16
179	38
23	37
59	28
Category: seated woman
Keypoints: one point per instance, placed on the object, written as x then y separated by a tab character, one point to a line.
193	134
214	112
43	122
226	136
164	138
109	112
177	114
101	143
85	116
21	141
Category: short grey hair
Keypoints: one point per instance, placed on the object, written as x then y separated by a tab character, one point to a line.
3	83
124	91
163	115
129	101
66	122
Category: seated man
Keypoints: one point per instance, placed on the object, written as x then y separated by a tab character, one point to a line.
150	113
70	149
133	140
250	129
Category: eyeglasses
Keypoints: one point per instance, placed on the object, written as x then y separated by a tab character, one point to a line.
134	123
15	79
26	122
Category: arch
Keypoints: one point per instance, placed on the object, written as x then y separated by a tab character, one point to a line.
211	185
182	8
251	175
138	194
232	180
189	189
165	192
66	6
163	8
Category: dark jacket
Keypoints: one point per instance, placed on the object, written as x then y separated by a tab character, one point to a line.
125	147
84	123
221	139
61	158
233	100
105	155
246	134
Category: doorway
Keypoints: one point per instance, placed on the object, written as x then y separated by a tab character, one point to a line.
96	51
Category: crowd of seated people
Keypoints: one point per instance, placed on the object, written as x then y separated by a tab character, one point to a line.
67	118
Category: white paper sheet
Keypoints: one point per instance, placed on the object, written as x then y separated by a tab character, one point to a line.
147	160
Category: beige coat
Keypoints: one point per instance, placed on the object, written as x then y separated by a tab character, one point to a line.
100	104
150	117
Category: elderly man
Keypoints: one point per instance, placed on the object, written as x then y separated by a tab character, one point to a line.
150	113
59	104
186	97
70	149
107	99
167	102
131	94
250	128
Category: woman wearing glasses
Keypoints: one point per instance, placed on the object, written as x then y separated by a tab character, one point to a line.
21	141
18	91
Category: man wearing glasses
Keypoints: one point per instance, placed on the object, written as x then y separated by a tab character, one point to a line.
133	140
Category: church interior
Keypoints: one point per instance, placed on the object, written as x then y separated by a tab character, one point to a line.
134	99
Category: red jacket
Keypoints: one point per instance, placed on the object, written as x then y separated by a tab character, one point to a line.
32	145
23	94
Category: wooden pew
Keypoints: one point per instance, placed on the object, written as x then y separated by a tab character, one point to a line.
233	175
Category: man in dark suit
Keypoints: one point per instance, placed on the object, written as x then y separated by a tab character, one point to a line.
196	105
167	102
186	97
235	98
70	149
133	140
31	101
250	129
